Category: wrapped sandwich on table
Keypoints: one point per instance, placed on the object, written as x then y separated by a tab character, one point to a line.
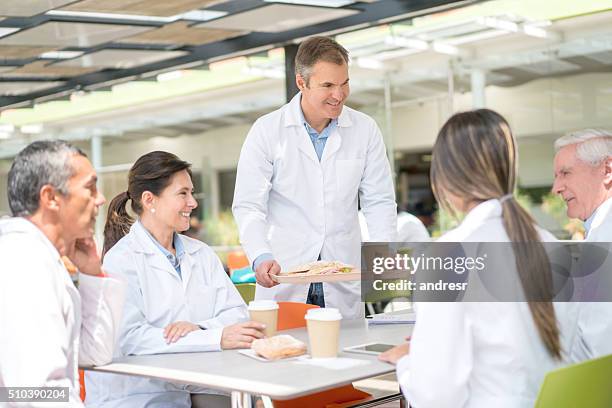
277	347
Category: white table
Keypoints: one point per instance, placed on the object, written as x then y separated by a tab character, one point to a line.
230	371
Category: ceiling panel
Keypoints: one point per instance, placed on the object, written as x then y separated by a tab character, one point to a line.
548	67
160	8
20	88
44	70
180	33
119	58
26	8
65	34
277	17
6	68
22	52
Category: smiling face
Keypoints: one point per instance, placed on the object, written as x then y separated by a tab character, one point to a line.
79	208
583	187
174	205
324	95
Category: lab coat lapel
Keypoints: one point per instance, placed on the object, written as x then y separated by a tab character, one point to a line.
305	144
155	258
334	141
187	267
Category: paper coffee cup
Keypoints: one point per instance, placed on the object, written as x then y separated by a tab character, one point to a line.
266	312
323	331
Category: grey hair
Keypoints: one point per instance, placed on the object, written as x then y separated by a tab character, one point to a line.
594	145
44	162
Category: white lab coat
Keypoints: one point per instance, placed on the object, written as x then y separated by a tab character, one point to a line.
476	354
156	297
289	204
594	337
48	327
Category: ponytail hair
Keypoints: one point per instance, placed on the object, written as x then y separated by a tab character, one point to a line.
152	172
118	221
475	158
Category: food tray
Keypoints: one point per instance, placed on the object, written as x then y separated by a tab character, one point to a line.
303	278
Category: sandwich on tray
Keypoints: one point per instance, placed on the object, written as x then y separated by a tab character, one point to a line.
320	268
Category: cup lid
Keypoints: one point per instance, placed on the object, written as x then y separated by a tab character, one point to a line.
324	313
263	305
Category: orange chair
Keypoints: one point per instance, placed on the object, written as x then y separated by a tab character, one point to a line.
291	316
237	260
82	383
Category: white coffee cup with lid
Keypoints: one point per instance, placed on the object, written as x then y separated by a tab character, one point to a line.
323	331
265	312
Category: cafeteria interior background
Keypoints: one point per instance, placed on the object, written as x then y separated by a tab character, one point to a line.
191	77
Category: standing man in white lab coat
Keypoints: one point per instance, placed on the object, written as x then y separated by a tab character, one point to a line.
47	326
583	177
302	170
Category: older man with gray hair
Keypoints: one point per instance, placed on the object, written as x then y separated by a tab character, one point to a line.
583	177
48	327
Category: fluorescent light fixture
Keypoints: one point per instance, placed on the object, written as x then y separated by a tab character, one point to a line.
7	30
6	128
444	48
321	3
61	54
407	42
264	72
370	63
169	76
535	31
33	129
203	15
133	17
499	24
386	55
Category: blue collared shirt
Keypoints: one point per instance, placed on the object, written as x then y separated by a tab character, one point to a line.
318	139
175	261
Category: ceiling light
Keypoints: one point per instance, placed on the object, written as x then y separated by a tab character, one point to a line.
202	15
6	128
407	42
369	63
535	31
264	72
444	48
33	129
322	3
133	17
499	24
169	76
7	30
61	54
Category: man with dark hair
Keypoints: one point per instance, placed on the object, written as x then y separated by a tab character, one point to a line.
48	326
301	172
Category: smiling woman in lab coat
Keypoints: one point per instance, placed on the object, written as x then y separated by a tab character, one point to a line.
484	354
179	298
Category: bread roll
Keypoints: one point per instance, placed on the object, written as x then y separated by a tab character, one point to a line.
277	347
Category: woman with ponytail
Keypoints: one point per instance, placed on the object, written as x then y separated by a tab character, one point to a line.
179	298
485	354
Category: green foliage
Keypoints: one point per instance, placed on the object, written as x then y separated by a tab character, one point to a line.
221	231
